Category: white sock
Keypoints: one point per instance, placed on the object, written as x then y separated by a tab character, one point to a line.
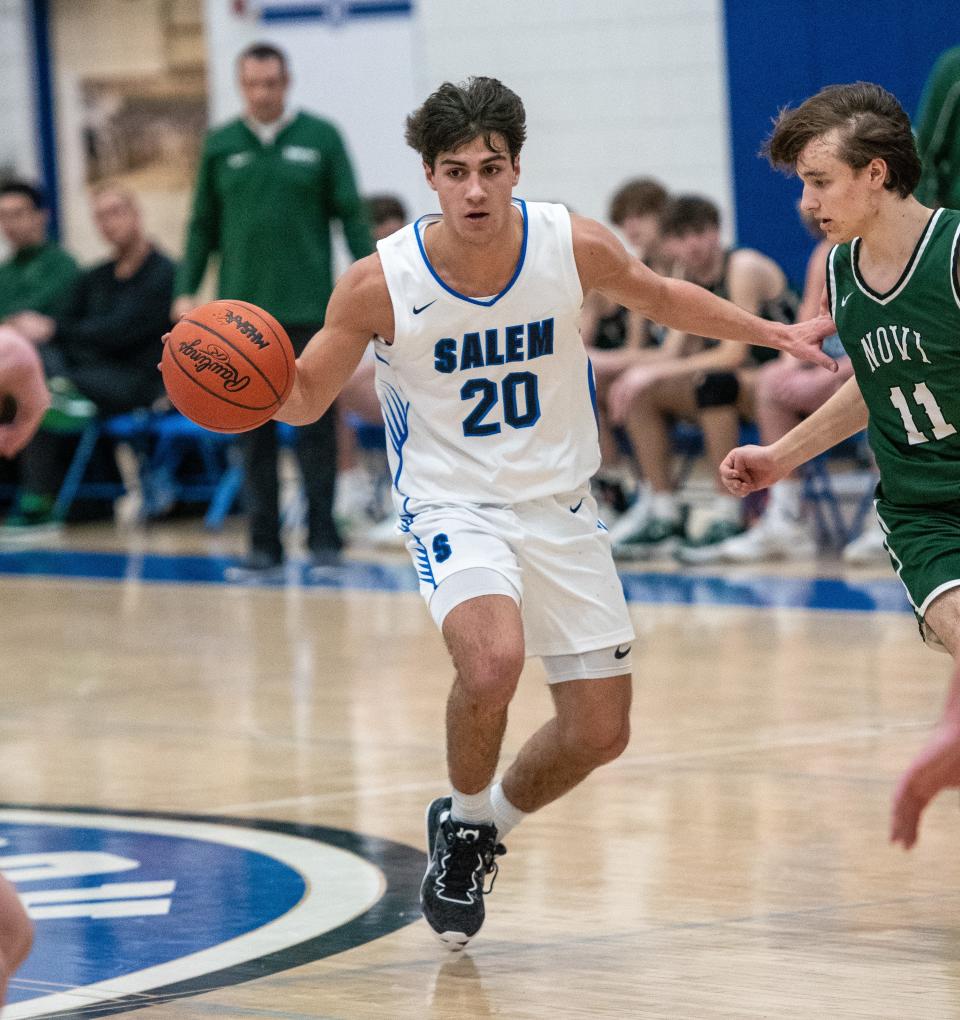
786	499
663	505
472	807
505	815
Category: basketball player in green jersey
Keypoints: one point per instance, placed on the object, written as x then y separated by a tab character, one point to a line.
893	288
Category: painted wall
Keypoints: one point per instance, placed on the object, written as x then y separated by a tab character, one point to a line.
18	153
357	73
612	89
791	52
18	139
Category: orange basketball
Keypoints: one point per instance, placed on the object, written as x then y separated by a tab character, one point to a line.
228	366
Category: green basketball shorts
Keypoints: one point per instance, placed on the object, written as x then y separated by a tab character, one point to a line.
923	543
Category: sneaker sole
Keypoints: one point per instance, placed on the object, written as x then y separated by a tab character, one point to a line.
874	559
452	940
697	557
798	554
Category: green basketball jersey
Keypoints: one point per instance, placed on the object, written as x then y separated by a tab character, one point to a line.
905	349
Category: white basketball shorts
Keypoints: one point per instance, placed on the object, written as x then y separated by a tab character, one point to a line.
554	554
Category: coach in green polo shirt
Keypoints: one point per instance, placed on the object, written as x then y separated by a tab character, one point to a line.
268	187
938	133
39	273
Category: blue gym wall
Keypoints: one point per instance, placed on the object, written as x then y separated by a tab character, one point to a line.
780	52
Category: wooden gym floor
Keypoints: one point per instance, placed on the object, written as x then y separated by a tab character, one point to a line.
734	863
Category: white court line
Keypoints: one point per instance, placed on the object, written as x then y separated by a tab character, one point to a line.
809	740
643	760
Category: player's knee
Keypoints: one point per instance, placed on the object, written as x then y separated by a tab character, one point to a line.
612	742
718	389
492	678
600	739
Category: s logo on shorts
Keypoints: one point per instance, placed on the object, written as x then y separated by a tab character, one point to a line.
441	548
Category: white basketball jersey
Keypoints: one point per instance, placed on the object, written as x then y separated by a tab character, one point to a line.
487	400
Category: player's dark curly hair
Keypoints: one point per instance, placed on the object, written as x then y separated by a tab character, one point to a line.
871	125
456	114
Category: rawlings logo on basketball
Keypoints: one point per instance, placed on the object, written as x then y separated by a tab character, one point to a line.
247	329
221	373
216	361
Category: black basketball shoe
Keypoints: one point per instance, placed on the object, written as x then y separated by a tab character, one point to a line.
462	854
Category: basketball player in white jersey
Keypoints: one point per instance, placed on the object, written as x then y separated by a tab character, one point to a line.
488	399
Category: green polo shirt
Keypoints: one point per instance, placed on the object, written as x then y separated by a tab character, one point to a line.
38	279
938	133
267	209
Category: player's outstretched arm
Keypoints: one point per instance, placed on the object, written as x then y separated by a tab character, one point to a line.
22	382
749	468
604	264
359	309
937	766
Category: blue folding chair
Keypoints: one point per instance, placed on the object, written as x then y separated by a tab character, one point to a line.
230	486
188	463
686	440
833	526
132	427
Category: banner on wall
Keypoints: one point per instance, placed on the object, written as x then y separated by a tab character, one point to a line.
335	12
143	131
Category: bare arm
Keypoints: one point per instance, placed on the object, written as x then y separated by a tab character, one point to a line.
842	416
603	262
359	309
749	468
752	278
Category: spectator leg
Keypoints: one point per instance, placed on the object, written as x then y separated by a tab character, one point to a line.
317	453
261	490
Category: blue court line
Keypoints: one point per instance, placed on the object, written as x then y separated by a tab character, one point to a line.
760	591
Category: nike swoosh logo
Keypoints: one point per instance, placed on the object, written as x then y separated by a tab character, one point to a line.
843	303
574	509
622	655
423	308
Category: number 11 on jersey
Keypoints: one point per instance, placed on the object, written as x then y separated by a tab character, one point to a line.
926	400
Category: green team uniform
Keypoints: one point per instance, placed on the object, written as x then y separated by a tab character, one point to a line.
938	133
267	210
904	346
37	279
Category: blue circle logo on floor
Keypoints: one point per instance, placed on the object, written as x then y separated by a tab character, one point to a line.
136	909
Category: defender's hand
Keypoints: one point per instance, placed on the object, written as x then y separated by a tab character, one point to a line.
935	768
750	468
